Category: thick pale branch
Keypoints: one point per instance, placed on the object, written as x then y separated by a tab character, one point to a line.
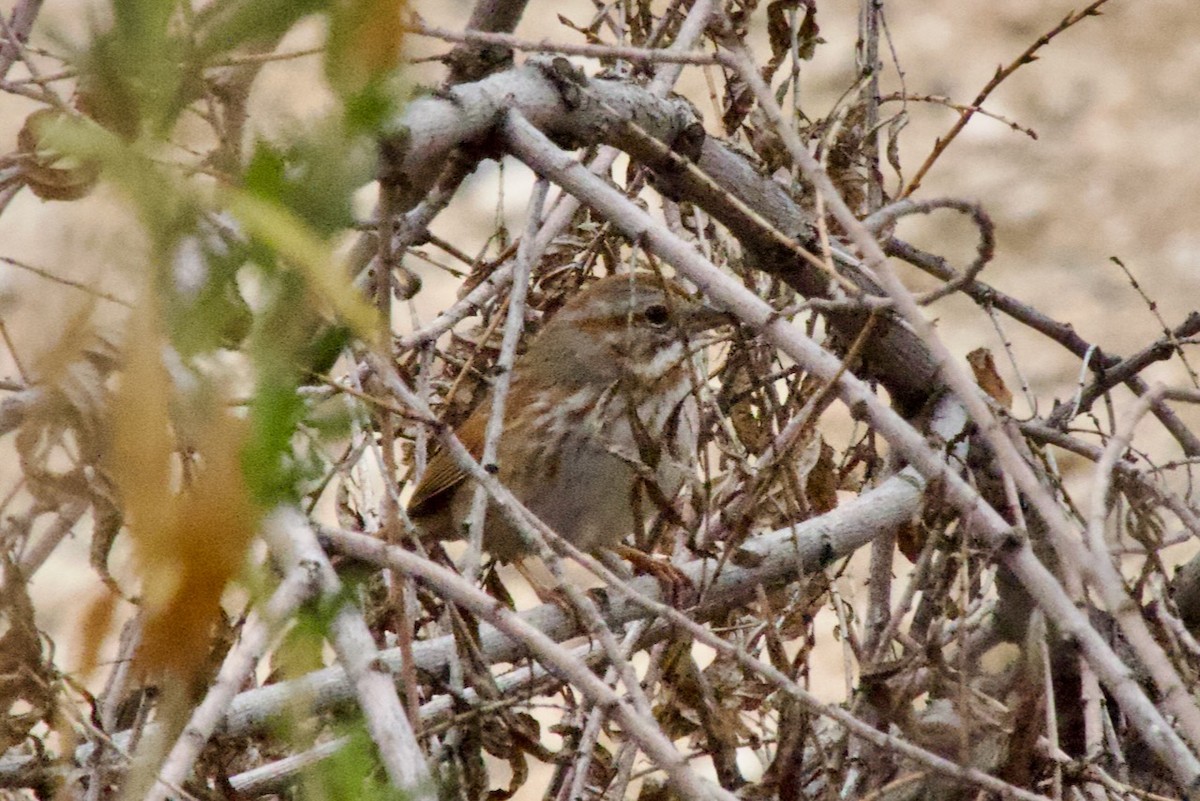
293	543
520	683
665	135
636	725
453	587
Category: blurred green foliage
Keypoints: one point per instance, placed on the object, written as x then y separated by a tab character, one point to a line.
243	231
270	220
351	773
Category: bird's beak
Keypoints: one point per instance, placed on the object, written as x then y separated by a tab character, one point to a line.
702	318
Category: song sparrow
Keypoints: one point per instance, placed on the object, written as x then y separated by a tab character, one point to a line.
600	419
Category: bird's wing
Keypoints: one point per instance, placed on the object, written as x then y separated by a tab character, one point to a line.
443	474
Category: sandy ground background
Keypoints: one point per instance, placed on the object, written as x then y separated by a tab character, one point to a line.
1115	103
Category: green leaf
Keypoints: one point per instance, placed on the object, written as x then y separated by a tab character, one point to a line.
315	175
228	24
353	773
368	110
211	313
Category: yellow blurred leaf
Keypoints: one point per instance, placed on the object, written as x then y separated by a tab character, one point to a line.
94	626
283	231
142	440
214	521
365	37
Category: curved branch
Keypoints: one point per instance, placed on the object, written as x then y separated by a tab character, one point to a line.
984	253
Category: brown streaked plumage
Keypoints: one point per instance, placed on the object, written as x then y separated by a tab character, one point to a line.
601	398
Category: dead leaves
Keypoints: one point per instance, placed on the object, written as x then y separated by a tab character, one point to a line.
49	174
26	677
988	378
61	435
189	537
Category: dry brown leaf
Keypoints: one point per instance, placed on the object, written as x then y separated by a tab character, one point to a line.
822	481
910	539
47	174
26	679
988	379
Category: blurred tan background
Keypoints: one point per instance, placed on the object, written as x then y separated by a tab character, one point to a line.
1115	102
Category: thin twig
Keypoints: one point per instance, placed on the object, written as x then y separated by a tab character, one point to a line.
16	32
1027	57
514	327
1061	333
636	54
960	108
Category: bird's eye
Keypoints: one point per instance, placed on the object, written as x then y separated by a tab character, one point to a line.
657	315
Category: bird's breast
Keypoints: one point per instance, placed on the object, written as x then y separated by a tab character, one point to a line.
576	460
